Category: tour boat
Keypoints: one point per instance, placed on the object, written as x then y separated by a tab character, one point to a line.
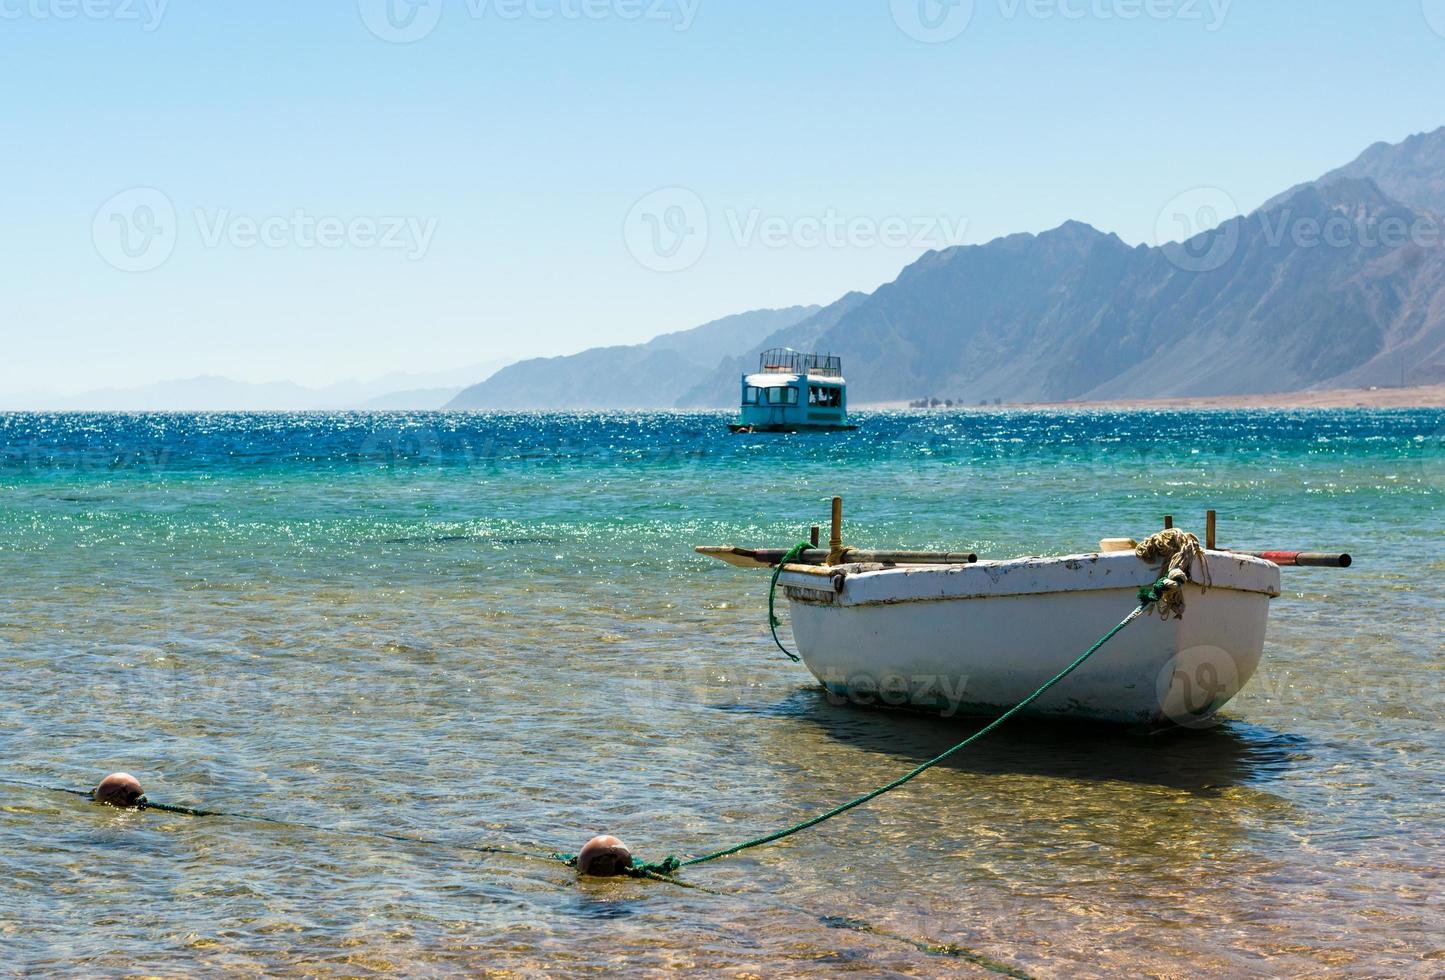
951	635
794	392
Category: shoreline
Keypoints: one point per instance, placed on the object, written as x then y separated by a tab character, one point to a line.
1416	396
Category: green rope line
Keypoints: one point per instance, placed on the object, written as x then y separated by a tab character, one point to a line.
773	620
948	950
1148	596
144	804
666	869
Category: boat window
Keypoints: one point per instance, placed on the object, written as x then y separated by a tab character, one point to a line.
782	396
825	396
750	395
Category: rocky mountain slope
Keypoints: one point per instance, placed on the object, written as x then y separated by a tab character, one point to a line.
1336	285
648	376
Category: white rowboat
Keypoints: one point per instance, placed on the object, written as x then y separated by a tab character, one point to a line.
976	639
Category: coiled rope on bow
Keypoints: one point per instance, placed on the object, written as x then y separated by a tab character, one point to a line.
1179	551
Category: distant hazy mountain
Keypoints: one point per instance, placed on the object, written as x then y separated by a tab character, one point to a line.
420	399
1412	172
1253	306
650	375
212	393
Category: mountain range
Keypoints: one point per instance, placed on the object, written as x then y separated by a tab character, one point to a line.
1338	282
1412	172
651	375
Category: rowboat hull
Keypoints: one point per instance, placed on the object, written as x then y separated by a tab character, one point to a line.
978	639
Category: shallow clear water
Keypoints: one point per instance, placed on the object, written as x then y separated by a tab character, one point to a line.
492	630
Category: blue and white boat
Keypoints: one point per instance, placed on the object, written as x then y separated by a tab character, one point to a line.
794	392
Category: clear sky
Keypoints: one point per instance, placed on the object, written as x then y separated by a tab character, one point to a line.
335	188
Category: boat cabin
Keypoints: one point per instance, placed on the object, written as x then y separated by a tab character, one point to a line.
793	391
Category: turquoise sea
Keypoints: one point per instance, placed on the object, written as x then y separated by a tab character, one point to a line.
491	630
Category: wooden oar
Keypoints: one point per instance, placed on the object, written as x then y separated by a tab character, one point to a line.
768	557
1301	559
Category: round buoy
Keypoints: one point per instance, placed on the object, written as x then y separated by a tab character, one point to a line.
604	857
119	789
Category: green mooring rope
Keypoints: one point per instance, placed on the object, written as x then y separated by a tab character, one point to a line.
665	869
145	803
1148	596
773	621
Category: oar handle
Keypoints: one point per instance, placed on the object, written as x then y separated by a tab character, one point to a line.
1302	559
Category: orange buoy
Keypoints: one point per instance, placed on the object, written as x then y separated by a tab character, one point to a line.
119	789
604	857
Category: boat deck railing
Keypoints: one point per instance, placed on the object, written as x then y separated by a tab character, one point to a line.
785	360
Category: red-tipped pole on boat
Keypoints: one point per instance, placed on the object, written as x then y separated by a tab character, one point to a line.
1302	559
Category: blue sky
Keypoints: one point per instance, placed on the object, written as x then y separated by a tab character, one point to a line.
280	190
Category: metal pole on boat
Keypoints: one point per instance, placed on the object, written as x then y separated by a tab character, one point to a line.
1211	520
814	535
835	535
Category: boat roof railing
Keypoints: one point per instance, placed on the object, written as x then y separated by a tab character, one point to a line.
785	360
